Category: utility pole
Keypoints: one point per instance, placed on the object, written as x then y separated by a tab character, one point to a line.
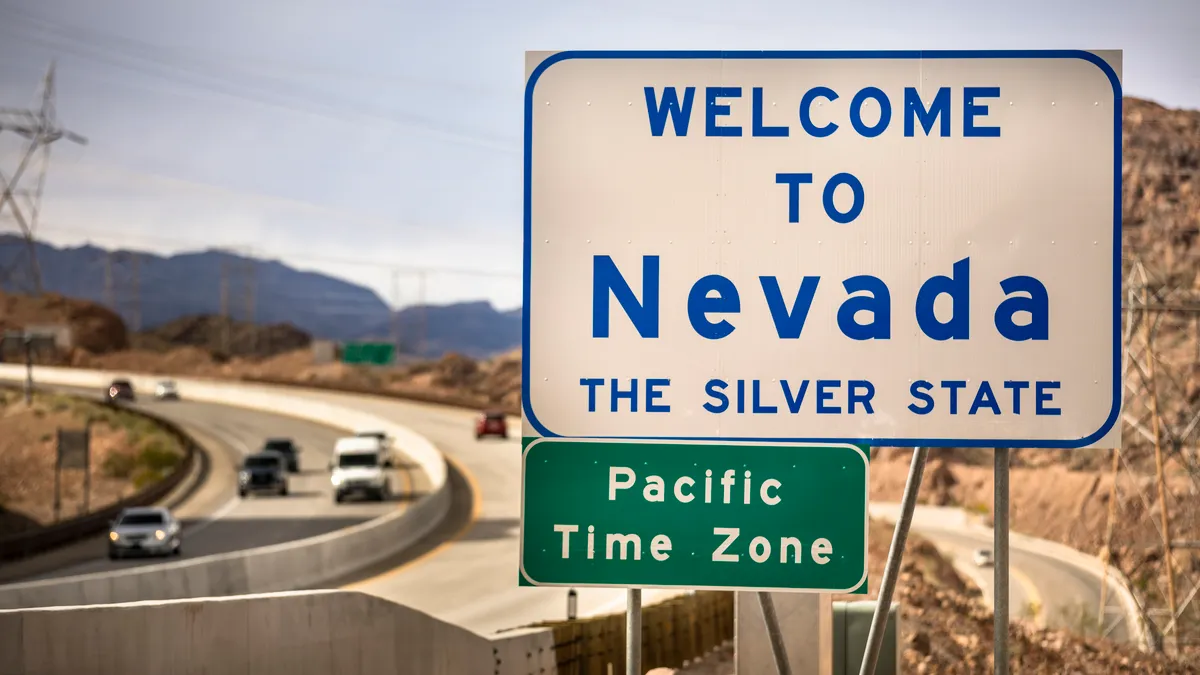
250	281
39	128
224	276
424	313
110	296
396	310
135	313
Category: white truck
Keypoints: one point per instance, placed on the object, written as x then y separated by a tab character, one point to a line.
359	466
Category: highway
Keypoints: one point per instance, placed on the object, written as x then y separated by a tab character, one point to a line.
466	571
470	577
215	519
1052	592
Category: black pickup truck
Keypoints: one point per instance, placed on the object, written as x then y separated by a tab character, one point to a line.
263	472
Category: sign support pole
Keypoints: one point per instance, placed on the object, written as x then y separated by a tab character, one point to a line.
633	633
895	556
1000	563
778	649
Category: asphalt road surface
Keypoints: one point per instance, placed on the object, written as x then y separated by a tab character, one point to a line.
469	578
215	519
1053	592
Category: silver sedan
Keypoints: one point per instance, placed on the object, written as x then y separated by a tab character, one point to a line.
144	531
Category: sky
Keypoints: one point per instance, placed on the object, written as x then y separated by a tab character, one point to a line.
369	139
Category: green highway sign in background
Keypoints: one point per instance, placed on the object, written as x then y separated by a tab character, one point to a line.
705	515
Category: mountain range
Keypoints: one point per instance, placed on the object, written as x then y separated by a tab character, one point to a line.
149	290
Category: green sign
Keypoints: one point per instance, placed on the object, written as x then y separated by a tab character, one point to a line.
373	353
704	515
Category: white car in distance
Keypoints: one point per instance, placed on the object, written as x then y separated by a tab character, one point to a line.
166	390
983	557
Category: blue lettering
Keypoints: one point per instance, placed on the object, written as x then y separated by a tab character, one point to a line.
824	395
591	383
1037	304
700	305
617	395
953	386
680	115
714	109
806	112
915	109
757	109
1016	386
1042	397
653	393
885	112
741	396
856	206
985	397
606	277
716	390
864	398
971	110
793	402
755	400
919	391
793	181
788	324
958	287
878	303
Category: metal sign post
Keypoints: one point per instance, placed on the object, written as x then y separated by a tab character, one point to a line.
891	571
633	633
778	648
1000	507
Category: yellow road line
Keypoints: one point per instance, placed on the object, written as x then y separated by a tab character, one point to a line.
1031	592
476	508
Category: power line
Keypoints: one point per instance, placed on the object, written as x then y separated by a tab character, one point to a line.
171	65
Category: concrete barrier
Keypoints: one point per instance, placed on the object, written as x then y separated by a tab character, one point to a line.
316	632
296	564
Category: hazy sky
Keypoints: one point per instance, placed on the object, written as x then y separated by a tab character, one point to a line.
388	133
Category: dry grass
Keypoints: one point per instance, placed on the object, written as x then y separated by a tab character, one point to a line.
128	452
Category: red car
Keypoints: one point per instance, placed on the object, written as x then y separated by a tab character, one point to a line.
491	423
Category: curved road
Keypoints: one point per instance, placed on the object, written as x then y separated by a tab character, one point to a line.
1053	592
215	519
466	571
471	579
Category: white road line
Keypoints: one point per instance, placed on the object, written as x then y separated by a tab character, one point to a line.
229	506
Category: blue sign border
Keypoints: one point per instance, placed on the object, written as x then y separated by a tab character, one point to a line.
1095	60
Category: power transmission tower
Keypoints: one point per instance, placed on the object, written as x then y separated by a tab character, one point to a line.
39	128
395	315
237	274
123	287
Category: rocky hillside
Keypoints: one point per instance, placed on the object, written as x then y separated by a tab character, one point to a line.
95	329
223	337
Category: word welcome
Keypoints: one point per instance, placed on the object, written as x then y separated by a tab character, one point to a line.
1025	296
939	111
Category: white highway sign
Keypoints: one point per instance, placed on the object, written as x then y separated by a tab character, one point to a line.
898	248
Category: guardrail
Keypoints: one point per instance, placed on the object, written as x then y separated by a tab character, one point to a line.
460	401
42	539
298	564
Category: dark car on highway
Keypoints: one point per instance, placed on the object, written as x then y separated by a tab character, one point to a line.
263	472
119	390
491	423
286	447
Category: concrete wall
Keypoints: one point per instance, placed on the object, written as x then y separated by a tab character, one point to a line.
317	632
296	564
